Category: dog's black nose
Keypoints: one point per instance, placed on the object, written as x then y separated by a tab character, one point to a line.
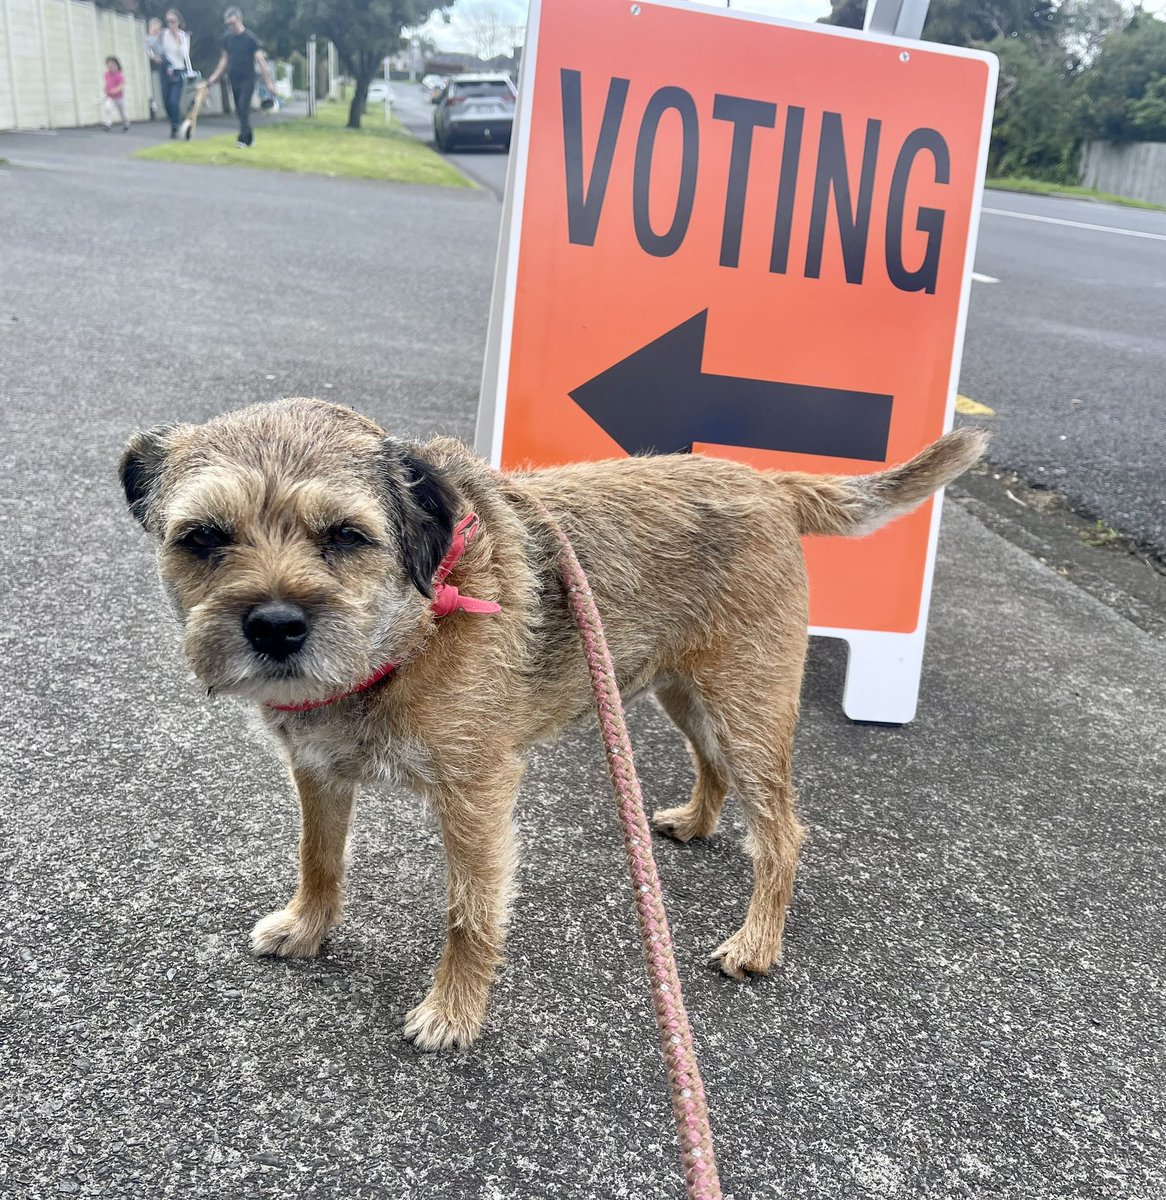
276	628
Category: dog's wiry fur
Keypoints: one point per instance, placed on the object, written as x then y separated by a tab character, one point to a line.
697	570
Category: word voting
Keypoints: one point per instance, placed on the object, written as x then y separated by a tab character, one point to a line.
839	201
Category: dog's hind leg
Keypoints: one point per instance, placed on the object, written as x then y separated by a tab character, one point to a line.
698	818
475	819
754	720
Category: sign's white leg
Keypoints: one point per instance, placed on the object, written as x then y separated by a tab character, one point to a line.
882	676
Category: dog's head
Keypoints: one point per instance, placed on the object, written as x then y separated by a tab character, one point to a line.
296	542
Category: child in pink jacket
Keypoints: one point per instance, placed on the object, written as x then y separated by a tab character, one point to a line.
115	95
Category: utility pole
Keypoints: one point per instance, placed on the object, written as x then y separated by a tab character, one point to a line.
312	76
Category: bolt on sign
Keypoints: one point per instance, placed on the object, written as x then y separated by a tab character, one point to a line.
747	238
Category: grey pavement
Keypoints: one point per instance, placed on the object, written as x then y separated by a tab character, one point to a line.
972	998
1068	349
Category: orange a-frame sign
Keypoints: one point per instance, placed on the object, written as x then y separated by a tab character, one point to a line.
746	238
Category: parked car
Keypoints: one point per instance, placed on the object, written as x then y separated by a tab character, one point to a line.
475	109
379	92
434	85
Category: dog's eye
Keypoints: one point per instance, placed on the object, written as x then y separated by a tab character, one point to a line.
345	537
204	540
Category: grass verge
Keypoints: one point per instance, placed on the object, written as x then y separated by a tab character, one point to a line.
1041	187
323	146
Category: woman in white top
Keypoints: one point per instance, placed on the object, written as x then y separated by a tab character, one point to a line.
175	64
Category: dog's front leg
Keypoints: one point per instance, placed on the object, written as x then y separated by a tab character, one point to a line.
297	930
479	849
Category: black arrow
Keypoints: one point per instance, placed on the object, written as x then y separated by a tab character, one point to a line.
659	401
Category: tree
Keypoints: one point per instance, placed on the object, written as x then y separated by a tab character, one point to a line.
847	14
1123	89
1085	24
958	23
364	33
1148	115
483	23
1033	127
1069	70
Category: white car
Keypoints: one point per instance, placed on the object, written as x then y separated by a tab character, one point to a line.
477	109
379	92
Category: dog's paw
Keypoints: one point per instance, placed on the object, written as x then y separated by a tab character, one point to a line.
740	957
435	1024
682	823
291	933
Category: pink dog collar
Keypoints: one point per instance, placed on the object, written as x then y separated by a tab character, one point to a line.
446	599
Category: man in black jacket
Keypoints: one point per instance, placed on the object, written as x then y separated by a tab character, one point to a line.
241	55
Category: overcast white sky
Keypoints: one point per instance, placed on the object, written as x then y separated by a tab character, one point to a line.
455	35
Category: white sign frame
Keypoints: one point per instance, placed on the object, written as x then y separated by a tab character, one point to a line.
883	669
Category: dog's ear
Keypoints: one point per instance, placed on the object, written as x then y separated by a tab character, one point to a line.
426	504
141	465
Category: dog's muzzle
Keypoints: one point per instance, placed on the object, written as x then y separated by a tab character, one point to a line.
276	628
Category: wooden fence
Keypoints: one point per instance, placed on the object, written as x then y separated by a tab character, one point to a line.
1136	170
52	60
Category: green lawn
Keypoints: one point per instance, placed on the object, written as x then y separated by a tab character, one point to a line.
322	146
1043	188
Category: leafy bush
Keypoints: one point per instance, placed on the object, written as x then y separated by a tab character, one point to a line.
1124	91
1148	115
1034	128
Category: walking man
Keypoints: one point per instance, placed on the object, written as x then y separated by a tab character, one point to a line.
241	55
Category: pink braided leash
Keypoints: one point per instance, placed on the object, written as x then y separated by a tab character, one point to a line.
689	1106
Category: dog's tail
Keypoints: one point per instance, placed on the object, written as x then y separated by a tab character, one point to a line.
857	504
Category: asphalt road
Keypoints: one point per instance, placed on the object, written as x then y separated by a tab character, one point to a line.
971	999
1069	349
486	165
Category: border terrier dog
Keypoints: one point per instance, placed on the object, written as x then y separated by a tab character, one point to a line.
303	548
